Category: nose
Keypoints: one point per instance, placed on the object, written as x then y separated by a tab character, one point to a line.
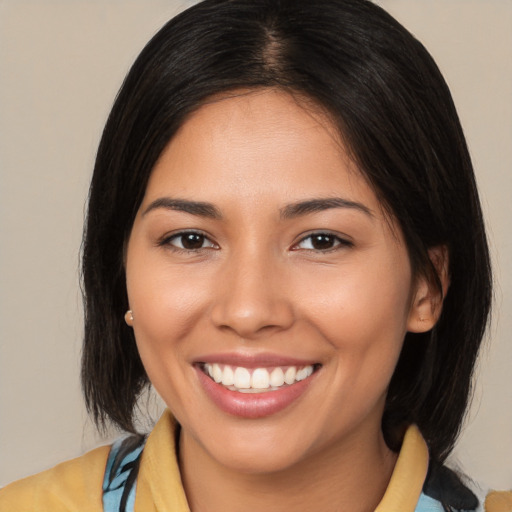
253	298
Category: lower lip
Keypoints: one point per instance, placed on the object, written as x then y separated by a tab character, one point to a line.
252	405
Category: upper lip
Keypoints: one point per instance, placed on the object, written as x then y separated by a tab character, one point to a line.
260	360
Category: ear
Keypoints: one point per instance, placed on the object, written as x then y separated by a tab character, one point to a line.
427	302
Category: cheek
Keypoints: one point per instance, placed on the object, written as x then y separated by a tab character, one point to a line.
362	312
358	299
167	307
162	296
363	317
163	307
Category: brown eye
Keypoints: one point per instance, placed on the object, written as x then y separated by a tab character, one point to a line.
190	241
322	242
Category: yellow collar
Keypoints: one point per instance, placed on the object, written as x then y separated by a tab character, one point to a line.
159	487
410	471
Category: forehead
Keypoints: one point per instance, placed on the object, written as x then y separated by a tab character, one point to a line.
256	143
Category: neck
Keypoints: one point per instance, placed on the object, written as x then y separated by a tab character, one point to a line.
352	475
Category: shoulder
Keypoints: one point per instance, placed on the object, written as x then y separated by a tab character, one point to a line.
498	501
72	485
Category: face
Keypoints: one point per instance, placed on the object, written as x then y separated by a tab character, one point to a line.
270	293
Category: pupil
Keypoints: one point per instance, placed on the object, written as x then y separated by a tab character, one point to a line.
322	242
192	241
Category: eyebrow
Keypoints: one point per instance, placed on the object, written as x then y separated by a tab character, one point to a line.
317	205
208	210
198	208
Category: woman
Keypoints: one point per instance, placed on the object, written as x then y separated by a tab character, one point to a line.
282	219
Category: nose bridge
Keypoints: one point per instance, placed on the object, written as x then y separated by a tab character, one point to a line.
251	299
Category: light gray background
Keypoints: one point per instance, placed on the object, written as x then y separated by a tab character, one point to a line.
61	64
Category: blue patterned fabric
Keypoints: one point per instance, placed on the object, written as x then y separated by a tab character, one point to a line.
120	476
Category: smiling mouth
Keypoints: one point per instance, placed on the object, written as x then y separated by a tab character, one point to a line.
257	380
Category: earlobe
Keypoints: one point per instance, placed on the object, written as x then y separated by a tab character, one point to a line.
428	299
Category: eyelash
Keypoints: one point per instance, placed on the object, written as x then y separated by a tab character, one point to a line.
168	241
339	242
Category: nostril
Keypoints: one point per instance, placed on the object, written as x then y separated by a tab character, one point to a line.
248	320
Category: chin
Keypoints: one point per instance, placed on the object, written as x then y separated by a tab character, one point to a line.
256	461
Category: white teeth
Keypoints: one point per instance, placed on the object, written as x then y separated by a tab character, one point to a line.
277	377
303	373
289	376
217	373
228	377
241	379
260	379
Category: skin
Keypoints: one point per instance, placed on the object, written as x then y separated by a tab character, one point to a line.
257	284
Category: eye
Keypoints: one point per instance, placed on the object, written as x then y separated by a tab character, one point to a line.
322	242
189	241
